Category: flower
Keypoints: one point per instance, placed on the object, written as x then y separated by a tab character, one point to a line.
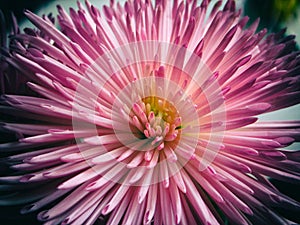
147	114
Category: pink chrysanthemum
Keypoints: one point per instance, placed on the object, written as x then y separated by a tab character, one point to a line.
146	114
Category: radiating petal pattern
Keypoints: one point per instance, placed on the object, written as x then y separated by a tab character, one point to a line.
148	113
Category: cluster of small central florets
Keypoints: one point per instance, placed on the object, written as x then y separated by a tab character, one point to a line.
157	120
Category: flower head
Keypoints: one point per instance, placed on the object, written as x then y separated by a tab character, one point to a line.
147	114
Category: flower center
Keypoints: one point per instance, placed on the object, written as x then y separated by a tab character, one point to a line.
157	120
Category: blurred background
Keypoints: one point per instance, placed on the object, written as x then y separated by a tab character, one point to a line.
274	15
